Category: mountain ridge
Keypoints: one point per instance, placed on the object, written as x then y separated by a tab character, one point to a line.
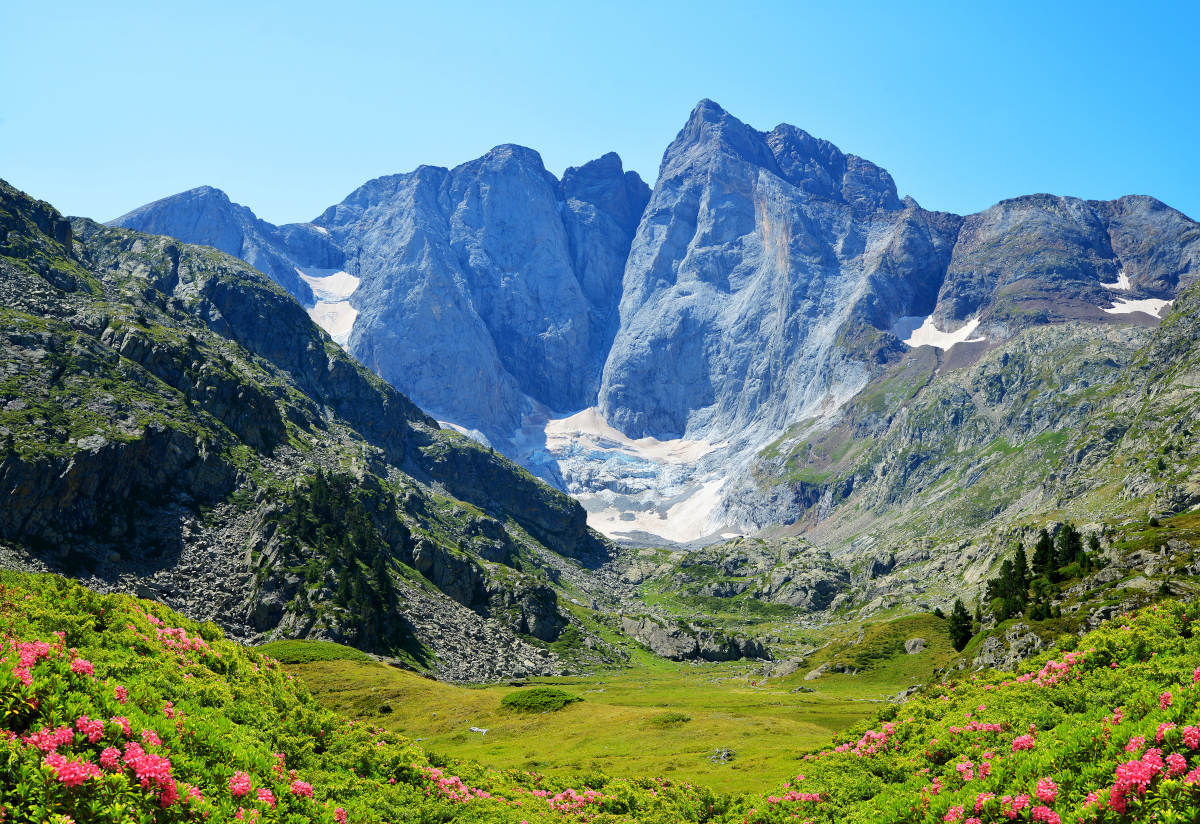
768	277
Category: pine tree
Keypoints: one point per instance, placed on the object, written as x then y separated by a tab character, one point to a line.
1021	575
1043	554
960	626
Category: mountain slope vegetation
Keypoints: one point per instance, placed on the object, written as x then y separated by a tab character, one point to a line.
171	420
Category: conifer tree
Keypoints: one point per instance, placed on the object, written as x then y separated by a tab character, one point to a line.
960	626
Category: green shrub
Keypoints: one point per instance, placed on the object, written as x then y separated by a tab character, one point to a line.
668	719
539	699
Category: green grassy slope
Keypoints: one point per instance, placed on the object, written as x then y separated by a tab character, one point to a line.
117	710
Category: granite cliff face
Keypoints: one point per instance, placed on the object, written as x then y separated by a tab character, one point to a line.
493	276
756	253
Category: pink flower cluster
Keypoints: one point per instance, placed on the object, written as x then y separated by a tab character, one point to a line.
239	784
1023	742
28	654
71	773
569	801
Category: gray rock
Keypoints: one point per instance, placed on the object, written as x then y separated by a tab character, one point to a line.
914	645
206	216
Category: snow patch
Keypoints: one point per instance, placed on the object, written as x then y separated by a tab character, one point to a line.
1127	306
321	229
916	331
329	284
333	311
688	519
1122	283
335	317
589	425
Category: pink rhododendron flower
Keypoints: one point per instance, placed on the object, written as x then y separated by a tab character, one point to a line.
953	814
1044	814
301	788
150	738
122	722
81	667
1164	700
339	815
71	773
1047	790
120	693
267	797
94	730
1176	764
239	784
110	758
1022	742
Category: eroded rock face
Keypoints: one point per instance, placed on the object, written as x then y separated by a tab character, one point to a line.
1019	643
755	253
1042	258
489	284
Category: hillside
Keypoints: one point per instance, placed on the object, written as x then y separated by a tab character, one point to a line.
119	709
172	423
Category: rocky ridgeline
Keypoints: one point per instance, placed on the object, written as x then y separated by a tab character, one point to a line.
171	423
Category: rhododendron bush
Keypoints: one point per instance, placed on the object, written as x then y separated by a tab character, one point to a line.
1109	732
118	710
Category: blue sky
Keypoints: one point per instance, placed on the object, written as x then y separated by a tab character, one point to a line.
289	106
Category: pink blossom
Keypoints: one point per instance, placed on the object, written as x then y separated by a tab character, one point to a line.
1191	737
1176	764
1022	742
168	709
303	788
110	758
71	773
1164	700
120	693
267	797
150	738
123	723
94	730
239	784
1047	790
953	814
339	815
79	666
1044	814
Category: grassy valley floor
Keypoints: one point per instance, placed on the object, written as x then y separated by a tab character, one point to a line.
657	718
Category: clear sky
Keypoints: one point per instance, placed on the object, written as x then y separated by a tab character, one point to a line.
290	106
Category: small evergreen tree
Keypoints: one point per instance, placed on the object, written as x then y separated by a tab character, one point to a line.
1021	575
1043	554
960	626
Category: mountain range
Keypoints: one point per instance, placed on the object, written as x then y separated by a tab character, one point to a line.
640	349
785	389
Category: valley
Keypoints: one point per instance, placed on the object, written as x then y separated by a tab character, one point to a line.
493	495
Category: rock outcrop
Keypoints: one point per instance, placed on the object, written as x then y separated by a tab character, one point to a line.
207	217
688	642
